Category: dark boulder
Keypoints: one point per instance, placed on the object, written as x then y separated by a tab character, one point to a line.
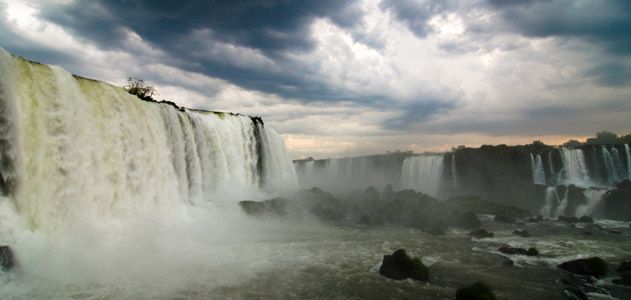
469	220
617	202
7	260
272	207
586	219
625	266
400	266
522	233
481	233
504	219
476	291
625	279
593	266
518	251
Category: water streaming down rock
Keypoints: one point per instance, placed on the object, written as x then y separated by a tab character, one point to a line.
560	209
574	167
74	147
628	155
454	173
538	174
551	202
610	166
594	200
423	173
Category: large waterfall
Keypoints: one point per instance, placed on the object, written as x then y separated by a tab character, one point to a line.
574	167
423	173
73	148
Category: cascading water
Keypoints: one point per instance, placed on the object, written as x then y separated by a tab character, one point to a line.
610	166
594	199
552	200
628	153
617	162
423	173
560	209
538	175
77	148
574	167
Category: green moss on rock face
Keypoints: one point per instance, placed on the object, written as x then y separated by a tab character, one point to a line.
476	291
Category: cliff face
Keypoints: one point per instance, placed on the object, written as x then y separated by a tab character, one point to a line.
543	179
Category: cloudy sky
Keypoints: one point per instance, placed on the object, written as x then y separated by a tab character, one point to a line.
339	78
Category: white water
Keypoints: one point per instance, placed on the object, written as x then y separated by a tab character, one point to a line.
574	167
109	188
560	210
88	148
346	174
628	153
610	166
538	175
552	200
594	199
423	173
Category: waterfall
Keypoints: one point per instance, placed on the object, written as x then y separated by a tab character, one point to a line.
594	199
560	210
423	173
574	167
628	153
77	148
610	166
454	174
617	162
552	200
538	175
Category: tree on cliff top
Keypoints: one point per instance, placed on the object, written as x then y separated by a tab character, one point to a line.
136	86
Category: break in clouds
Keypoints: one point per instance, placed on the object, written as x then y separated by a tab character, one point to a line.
359	77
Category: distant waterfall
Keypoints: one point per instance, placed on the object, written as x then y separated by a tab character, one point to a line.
594	199
538	174
81	148
423	173
610	166
574	167
551	202
628	152
454	173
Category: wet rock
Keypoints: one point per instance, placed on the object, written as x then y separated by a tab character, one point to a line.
625	266
593	266
578	286
476	291
272	207
568	219
616	204
504	219
469	220
400	266
586	219
7	260
481	234
522	233
625	279
518	251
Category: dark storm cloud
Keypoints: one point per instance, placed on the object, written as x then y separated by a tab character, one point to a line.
605	23
415	113
416	14
271	28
